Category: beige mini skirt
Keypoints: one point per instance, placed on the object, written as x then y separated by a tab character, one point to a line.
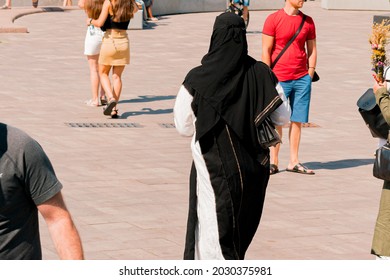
115	50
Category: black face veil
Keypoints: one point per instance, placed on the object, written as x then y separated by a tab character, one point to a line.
223	65
229	84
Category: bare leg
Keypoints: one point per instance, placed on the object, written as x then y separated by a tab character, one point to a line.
102	92
150	13
104	71
94	77
117	81
245	13
295	138
274	151
7	5
67	3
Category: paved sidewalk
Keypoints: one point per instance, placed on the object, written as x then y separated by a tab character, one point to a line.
8	23
127	187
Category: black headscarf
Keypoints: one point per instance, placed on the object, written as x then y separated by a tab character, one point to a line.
231	85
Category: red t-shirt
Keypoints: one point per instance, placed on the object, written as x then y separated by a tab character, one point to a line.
293	63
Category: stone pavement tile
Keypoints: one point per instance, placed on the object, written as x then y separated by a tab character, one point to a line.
133	254
127	188
9	17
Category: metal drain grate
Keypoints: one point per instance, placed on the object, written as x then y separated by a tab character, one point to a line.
103	125
304	125
167	125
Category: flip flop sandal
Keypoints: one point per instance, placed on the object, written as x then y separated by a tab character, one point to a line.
91	103
110	106
103	101
301	169
114	114
273	169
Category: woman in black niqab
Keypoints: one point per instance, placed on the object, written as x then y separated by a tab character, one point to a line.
221	103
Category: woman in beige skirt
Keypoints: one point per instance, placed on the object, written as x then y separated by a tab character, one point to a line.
115	51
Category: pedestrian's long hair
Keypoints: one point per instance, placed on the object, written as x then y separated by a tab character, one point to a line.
93	8
123	10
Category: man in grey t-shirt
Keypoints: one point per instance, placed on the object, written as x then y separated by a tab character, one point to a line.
28	184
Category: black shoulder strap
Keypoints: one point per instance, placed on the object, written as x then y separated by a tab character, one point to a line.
289	42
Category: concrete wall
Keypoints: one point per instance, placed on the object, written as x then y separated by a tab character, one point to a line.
161	7
164	7
374	5
41	3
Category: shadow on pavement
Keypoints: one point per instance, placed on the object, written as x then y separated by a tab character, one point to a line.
339	164
146	111
148	98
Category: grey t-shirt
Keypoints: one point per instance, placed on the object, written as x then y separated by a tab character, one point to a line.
27	179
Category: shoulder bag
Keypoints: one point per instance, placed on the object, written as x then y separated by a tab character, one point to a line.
267	135
316	77
372	115
381	168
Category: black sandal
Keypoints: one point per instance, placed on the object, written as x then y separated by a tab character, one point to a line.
110	106
301	169
114	114
103	101
273	169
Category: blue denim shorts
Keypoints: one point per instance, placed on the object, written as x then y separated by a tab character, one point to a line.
245	2
148	3
298	92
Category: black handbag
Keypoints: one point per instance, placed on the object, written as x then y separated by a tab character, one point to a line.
381	168
267	135
372	115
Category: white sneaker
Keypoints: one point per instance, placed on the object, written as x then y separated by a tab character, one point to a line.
5	7
152	19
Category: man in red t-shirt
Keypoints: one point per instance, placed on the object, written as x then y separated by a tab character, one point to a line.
295	70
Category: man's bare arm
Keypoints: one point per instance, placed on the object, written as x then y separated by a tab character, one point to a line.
62	229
